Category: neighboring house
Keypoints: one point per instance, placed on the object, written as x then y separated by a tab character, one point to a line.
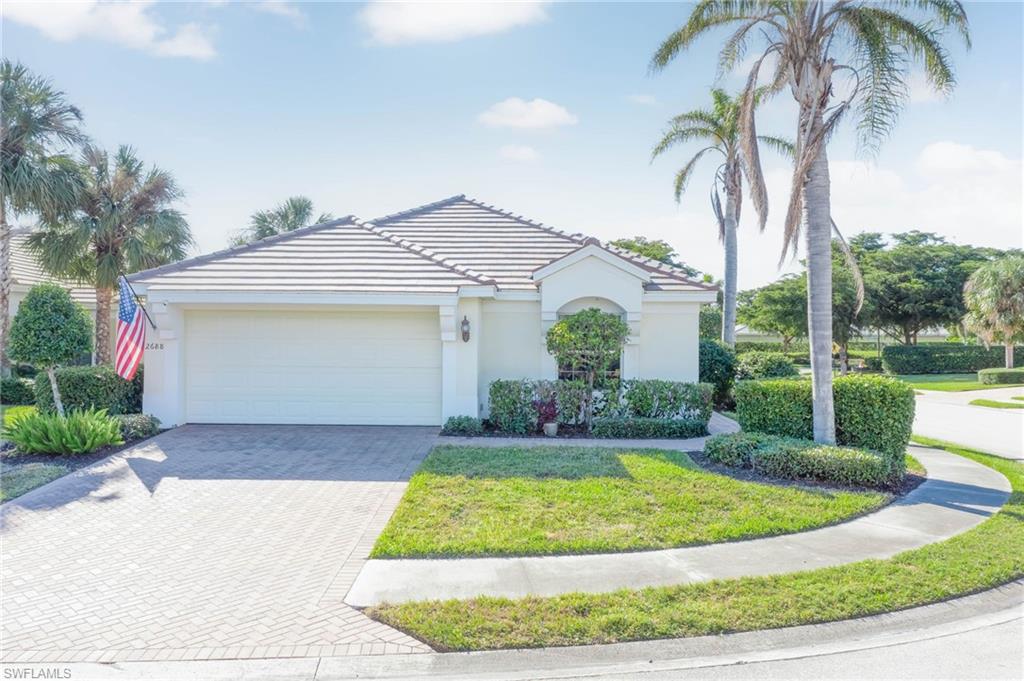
352	322
26	273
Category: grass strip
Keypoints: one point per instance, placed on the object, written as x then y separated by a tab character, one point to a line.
20	478
996	404
986	556
945	382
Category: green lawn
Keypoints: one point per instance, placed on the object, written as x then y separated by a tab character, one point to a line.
516	501
988	555
946	382
11	413
20	478
996	404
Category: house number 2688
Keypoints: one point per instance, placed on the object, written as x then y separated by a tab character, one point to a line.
154	346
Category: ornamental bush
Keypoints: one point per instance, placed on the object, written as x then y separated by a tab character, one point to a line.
137	426
999	376
657	399
570	398
462	425
944	358
646	428
736	449
17	391
764	365
776	407
80	432
512	406
717	367
92	387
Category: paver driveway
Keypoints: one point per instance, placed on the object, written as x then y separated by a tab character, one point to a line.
207	542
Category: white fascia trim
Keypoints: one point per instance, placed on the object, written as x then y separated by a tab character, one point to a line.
591	251
680	296
517	295
308	298
480	291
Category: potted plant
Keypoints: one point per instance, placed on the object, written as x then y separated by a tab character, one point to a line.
547	416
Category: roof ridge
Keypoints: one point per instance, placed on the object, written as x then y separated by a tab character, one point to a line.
418	209
234	250
576	237
424	252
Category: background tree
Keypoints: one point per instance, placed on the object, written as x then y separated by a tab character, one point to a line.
49	330
779	308
811	42
847	312
123	223
591	341
994	296
656	249
294	213
717	129
710	322
36	175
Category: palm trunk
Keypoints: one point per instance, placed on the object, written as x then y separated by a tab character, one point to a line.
729	238
1008	355
103	300
57	403
818	236
5	285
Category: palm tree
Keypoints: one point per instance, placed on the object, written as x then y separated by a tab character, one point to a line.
994	296
122	223
718	129
36	127
296	212
812	41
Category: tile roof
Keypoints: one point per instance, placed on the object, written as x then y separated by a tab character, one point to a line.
345	255
25	270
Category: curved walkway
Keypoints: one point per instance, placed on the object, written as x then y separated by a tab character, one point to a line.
957	495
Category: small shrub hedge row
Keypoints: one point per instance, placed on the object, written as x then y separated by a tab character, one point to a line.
1000	376
795	459
873	412
717	367
91	387
944	358
17	391
137	426
764	365
463	425
641	427
80	432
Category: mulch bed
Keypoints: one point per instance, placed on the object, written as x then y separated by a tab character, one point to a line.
12	457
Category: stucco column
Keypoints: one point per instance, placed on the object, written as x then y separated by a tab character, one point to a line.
467	398
631	351
548	365
163	393
449	362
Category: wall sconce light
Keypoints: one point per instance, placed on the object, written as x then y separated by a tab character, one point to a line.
465	329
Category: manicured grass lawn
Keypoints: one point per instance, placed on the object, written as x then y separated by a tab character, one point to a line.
20	478
484	501
946	382
996	404
986	556
13	412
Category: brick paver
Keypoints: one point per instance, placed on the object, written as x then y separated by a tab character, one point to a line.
207	542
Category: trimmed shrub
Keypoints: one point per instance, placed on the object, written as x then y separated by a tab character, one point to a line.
512	406
92	387
1000	376
717	367
80	432
944	358
656	399
764	365
462	425
17	391
872	363
137	426
645	428
570	398
873	412
736	449
803	460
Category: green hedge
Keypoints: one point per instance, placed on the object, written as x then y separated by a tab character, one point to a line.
999	376
92	387
717	367
462	425
873	412
764	365
137	426
512	408
645	428
944	358
656	399
17	391
795	459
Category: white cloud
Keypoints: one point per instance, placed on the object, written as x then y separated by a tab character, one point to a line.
646	100
283	8
518	152
534	114
394	23
129	24
920	90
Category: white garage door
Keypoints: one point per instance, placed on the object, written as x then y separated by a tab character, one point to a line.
313	367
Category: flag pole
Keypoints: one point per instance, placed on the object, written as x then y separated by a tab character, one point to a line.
137	300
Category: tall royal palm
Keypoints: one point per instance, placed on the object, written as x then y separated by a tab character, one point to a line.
37	126
718	130
123	222
294	213
812	42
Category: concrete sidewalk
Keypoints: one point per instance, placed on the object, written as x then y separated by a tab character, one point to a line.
949	416
958	495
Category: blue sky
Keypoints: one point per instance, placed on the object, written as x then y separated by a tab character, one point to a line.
371	109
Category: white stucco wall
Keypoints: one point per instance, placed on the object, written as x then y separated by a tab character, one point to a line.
669	341
511	343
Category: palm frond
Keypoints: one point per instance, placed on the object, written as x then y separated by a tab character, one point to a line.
676	135
705	16
748	144
778	144
682	178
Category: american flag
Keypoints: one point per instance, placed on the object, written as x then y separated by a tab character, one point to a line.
131	334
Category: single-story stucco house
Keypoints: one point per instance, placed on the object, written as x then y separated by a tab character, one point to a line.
404	320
